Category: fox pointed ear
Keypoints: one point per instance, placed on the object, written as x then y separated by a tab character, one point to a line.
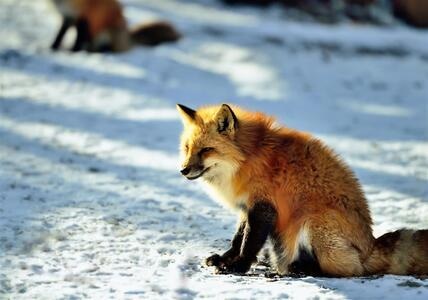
188	115
226	120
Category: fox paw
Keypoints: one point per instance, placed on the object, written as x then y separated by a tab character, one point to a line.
217	260
214	260
238	266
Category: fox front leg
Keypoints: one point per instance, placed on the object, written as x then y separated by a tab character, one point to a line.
66	24
235	249
83	36
260	224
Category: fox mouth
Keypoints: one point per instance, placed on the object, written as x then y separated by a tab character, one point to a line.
198	175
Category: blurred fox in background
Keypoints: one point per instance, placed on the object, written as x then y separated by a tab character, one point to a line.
101	26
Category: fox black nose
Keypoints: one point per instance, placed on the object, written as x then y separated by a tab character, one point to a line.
185	171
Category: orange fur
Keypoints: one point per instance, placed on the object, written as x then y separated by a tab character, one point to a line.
318	199
101	14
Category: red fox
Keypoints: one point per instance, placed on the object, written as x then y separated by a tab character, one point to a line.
101	26
290	188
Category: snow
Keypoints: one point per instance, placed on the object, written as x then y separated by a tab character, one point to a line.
91	201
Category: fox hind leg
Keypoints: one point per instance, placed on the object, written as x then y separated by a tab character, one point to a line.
305	265
292	259
335	253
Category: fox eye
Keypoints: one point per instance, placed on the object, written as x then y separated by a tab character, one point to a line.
186	147
205	150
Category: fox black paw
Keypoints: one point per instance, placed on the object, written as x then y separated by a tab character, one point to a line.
238	266
213	260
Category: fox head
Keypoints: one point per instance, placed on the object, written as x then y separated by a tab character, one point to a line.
208	148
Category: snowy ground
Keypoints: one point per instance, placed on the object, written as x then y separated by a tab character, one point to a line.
91	201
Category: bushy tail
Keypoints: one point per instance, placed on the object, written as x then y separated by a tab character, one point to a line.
402	252
154	33
414	12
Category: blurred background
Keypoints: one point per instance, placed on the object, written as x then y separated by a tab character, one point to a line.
91	201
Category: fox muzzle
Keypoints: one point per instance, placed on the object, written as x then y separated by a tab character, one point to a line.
193	172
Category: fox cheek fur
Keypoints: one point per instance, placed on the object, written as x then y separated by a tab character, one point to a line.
290	188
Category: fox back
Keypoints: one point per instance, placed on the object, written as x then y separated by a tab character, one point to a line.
101	15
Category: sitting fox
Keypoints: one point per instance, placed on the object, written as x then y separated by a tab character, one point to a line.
289	187
101	26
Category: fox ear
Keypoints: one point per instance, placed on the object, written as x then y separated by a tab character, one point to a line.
226	120
188	115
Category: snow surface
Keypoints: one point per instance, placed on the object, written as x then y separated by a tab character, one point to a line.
91	201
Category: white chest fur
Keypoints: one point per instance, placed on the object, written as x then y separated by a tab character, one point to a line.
219	184
223	192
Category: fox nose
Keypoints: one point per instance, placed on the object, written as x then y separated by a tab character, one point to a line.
185	171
